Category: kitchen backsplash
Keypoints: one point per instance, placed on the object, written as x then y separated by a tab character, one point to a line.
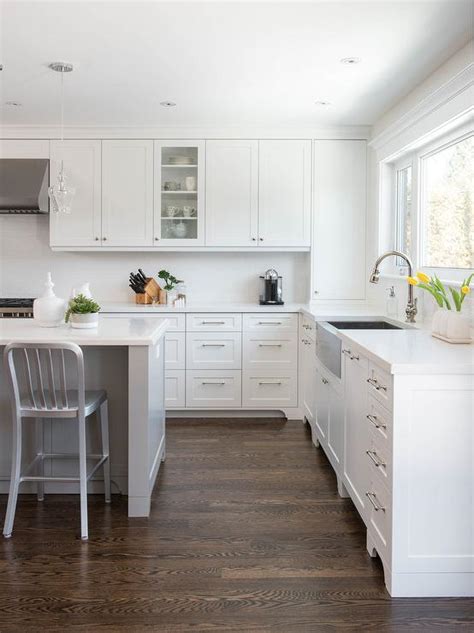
25	258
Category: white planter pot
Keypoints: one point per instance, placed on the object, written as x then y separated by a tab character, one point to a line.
85	321
458	329
438	317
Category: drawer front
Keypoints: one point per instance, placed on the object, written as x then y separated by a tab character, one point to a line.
213	322
380	515
176	322
380	421
353	356
380	385
213	389
269	390
380	461
308	328
267	351
213	350
270	322
175	350
175	389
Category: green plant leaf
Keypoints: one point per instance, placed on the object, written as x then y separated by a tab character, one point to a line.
81	305
436	294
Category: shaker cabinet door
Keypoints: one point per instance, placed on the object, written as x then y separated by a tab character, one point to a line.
127	193
82	168
232	193
284	193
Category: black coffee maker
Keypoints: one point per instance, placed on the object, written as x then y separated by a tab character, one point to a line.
271	293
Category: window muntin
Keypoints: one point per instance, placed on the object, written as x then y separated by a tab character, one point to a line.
404	210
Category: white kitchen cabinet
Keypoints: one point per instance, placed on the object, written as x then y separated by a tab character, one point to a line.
175	389
232	193
179	183
335	437
175	350
284	193
270	351
269	390
82	167
308	379
339	222
321	398
270	323
213	389
357	437
213	350
127	193
214	322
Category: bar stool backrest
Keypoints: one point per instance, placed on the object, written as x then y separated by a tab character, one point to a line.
44	376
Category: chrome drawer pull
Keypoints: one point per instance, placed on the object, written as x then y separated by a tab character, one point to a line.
272	344
269	323
269	382
217	382
374	383
373	419
213	345
324	381
212	322
376	459
373	500
347	352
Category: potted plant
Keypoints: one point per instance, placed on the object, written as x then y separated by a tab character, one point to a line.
448	324
83	312
170	282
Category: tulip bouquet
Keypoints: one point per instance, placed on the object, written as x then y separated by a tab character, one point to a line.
436	288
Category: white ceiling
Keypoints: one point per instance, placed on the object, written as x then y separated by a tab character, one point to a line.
223	63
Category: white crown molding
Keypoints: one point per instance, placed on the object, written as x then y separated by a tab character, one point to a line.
447	92
184	132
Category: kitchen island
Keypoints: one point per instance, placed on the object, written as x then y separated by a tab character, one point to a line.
125	356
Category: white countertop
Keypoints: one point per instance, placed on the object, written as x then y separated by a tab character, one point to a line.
130	307
126	331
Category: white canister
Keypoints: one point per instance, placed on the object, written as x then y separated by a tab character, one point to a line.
458	328
49	310
190	183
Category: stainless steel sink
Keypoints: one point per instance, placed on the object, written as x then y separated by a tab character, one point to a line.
364	325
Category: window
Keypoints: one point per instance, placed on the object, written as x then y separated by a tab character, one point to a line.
447	206
434	204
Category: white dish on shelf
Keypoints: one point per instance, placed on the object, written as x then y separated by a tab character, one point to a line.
180	160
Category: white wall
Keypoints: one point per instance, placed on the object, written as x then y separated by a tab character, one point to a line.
25	258
452	68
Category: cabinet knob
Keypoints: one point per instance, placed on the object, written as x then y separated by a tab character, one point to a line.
316	292
104	239
157	239
254	239
261	239
96	239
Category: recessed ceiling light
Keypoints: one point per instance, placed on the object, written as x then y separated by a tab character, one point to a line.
350	60
322	103
61	67
13	104
167	104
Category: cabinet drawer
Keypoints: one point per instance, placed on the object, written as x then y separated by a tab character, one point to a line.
269	389
213	389
176	322
175	389
175	350
213	350
380	461
270	322
380	385
213	322
380	421
379	515
267	351
308	328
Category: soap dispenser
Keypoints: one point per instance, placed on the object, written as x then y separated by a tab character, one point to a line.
392	303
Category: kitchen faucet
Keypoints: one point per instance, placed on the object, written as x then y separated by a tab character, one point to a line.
411	309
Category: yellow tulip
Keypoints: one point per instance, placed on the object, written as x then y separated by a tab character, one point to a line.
412	281
465	290
423	277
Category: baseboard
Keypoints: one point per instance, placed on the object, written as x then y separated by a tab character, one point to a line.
292	413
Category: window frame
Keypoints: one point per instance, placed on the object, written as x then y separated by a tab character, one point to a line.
417	161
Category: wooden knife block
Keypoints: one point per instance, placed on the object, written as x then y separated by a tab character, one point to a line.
152	291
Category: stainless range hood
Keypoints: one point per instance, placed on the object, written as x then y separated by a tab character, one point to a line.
24	186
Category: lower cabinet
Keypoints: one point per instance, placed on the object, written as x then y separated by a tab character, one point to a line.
175	388
308	378
329	416
269	390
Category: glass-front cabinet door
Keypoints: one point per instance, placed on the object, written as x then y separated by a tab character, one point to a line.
179	193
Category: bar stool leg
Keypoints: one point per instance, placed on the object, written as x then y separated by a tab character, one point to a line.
83	476
14	480
40	451
104	425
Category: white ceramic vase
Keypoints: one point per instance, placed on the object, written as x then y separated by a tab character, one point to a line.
84	321
458	328
49	310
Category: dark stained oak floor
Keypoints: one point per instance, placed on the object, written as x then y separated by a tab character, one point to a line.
247	533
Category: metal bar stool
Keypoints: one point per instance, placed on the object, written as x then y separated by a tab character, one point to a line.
39	381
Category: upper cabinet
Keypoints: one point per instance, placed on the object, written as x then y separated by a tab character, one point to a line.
82	167
284	193
127	193
339	270
232	193
179	193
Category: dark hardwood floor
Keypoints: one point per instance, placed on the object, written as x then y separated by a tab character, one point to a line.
247	533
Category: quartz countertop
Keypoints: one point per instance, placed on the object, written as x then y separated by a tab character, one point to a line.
126	331
130	307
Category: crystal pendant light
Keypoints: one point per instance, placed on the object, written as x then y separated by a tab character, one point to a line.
61	193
